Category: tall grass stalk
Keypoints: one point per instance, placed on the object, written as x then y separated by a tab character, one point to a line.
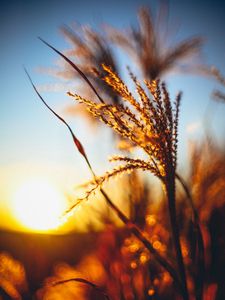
134	229
160	143
170	191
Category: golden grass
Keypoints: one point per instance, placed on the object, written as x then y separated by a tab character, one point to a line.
163	251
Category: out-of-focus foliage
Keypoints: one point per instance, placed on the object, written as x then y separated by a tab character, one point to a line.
12	277
215	73
68	290
125	269
89	49
147	45
121	265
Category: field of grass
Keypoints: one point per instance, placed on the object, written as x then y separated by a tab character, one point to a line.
171	247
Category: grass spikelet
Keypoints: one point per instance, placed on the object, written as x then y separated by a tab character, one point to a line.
157	134
175	129
113	80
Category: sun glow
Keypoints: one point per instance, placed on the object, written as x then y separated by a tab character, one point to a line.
38	205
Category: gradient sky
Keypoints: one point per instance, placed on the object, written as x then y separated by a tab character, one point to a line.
32	141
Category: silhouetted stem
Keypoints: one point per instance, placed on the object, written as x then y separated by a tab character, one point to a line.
84	281
75	67
134	229
190	200
170	191
199	276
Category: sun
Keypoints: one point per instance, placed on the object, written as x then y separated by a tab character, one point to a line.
38	205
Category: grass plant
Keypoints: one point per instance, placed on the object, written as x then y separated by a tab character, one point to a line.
164	248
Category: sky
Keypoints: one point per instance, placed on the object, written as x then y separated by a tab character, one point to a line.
32	141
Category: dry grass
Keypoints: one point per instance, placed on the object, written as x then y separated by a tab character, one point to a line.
168	245
146	45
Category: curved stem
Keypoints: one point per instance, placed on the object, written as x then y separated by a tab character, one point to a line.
85	281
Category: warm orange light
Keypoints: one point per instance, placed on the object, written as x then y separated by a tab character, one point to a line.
38	205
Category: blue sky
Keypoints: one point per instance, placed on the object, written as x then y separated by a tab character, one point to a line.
31	138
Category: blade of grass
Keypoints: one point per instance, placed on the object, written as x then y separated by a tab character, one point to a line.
77	143
75	67
85	281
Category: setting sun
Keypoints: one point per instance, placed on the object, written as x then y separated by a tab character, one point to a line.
38	205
